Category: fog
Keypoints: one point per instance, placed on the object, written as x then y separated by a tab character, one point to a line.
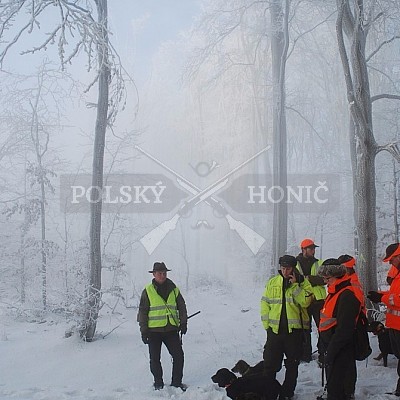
197	102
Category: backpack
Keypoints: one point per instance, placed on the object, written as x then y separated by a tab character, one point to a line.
362	348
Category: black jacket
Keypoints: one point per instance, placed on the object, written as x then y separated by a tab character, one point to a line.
341	335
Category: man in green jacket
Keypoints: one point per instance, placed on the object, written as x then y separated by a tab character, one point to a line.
308	266
285	318
162	314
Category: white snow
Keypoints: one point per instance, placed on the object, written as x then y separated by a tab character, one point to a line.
37	362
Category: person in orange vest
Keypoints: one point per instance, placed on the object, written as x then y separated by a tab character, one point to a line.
393	271
349	262
391	298
336	328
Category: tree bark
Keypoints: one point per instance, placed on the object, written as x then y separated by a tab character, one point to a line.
279	48
94	289
364	147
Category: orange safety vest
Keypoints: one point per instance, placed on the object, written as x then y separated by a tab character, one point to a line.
358	290
392	273
327	320
392	300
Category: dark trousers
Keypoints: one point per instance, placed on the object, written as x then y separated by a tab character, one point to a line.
343	366
278	345
314	312
394	336
174	346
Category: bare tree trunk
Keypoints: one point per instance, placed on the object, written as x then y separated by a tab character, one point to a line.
279	48
40	151
94	290
364	148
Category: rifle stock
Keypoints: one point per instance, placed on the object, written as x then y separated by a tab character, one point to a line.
151	240
253	240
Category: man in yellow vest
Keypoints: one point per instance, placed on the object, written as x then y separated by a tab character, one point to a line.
162	314
308	266
285	318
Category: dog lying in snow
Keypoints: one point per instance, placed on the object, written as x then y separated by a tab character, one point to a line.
378	329
244	369
252	387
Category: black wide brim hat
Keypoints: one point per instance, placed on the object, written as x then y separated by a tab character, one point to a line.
159	267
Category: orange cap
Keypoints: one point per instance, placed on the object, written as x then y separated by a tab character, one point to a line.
307	243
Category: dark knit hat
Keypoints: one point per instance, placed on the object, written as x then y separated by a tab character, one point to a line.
332	268
392	250
159	267
287	261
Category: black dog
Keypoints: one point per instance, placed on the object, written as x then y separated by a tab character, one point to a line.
254	387
244	369
378	329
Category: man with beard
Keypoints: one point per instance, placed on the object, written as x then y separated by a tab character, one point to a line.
308	266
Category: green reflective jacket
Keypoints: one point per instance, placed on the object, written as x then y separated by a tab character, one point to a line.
161	312
319	291
297	297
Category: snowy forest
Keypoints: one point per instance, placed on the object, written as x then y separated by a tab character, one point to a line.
213	135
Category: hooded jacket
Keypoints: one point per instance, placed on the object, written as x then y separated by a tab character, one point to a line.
290	298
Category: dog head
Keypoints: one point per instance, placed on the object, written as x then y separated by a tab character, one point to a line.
376	327
241	367
223	377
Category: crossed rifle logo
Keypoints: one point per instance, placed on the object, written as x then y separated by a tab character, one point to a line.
252	239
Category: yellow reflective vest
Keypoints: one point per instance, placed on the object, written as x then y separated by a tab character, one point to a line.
297	297
318	291
161	312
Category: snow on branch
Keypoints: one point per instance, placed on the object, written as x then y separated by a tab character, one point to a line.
392	148
74	28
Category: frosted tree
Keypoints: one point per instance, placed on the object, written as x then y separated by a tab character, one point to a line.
82	26
354	23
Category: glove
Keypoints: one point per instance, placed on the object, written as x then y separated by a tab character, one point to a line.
145	338
299	277
183	328
375	297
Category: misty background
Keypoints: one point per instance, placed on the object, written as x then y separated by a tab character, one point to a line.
197	93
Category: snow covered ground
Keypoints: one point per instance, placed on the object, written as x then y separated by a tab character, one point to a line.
37	361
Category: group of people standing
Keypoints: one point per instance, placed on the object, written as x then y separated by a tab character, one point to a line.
305	288
330	293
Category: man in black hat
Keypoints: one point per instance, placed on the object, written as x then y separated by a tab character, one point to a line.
284	317
162	315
